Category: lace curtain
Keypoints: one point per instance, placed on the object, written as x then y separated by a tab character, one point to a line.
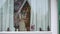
40	15
6	15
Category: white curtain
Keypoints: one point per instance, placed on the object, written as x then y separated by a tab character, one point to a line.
6	15
40	14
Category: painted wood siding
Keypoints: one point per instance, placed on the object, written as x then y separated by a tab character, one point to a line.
59	15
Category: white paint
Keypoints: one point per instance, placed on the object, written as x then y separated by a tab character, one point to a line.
25	32
54	17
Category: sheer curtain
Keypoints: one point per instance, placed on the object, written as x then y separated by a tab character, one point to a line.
6	16
40	15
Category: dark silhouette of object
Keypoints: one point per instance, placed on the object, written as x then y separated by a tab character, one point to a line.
48	28
8	29
16	27
40	29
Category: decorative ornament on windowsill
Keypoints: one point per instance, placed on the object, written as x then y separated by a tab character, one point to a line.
16	27
40	29
8	29
48	28
32	27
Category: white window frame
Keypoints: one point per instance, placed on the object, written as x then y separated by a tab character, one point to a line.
54	21
54	17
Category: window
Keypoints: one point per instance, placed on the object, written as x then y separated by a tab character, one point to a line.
25	15
7	13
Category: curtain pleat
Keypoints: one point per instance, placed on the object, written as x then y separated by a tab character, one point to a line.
6	16
40	15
